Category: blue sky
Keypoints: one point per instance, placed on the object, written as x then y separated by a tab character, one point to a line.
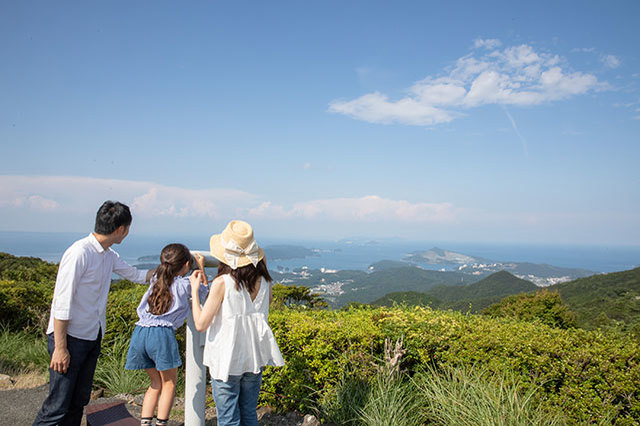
510	122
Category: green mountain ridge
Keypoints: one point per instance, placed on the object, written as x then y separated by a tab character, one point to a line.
598	300
498	284
478	294
407	278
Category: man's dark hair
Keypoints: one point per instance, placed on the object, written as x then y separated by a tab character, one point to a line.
111	215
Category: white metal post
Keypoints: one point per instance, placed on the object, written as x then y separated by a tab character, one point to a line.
195	392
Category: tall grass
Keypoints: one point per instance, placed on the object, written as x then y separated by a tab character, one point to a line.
391	401
464	395
342	406
473	396
22	352
110	373
385	399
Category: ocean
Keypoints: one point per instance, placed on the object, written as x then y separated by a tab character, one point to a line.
344	254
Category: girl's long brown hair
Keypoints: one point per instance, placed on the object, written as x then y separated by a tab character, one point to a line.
246	276
173	258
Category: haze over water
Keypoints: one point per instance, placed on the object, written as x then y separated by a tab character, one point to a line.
344	254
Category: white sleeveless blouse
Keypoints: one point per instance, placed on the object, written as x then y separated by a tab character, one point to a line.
239	339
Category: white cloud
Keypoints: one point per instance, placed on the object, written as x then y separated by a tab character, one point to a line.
81	196
176	202
515	75
53	203
490	43
267	210
31	202
610	61
376	108
38	202
442	91
518	56
584	49
371	208
73	194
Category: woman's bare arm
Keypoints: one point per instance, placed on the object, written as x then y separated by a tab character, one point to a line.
203	315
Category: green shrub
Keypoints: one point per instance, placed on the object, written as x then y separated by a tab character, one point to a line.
545	306
318	347
122	303
25	304
585	373
27	269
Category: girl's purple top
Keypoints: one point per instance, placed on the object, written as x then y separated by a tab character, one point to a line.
177	313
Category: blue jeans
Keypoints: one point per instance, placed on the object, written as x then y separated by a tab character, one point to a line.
70	392
237	399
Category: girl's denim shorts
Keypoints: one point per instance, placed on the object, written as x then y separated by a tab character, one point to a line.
153	347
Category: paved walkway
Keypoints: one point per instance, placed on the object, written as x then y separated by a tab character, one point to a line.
20	406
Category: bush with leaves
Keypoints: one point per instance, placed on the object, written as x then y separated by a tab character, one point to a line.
24	305
587	374
17	268
545	306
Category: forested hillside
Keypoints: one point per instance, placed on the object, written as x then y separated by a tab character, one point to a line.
475	296
603	299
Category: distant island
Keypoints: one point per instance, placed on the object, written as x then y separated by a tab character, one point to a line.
438	256
540	274
287	252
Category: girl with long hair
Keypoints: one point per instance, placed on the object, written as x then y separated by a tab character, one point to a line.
162	310
239	342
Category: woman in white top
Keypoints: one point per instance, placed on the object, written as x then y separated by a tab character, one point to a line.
239	340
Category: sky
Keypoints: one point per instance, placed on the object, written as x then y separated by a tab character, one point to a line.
490	122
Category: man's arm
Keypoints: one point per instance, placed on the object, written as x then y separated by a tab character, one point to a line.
131	273
60	358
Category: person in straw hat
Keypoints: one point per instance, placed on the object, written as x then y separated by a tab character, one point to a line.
239	342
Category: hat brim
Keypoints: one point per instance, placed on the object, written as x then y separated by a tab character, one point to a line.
217	250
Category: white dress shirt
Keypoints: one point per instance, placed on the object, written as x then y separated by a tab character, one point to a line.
82	287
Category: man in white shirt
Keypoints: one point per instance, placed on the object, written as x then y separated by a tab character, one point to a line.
77	320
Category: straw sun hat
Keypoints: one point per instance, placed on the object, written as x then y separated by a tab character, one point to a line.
236	245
